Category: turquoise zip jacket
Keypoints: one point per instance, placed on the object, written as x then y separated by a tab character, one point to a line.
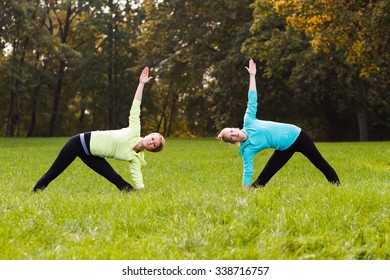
262	135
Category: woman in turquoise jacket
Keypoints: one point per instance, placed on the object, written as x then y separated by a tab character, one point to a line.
124	144
258	135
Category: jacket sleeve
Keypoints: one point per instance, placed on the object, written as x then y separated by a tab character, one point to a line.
135	112
136	173
251	109
248	168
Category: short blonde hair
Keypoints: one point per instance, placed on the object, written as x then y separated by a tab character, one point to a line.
221	136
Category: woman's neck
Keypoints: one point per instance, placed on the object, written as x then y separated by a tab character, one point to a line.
243	137
138	147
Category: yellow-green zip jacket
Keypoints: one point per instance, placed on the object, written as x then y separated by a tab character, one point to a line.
119	144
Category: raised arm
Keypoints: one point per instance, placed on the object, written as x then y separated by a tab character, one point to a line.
143	79
252	74
250	115
135	111
252	93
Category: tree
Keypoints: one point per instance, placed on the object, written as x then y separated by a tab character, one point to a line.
296	84
70	66
60	24
358	29
116	23
190	45
17	19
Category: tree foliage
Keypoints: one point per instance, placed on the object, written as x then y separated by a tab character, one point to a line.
71	66
346	50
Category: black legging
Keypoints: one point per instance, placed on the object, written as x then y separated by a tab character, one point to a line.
306	146
72	149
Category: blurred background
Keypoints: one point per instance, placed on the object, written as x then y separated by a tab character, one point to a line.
73	66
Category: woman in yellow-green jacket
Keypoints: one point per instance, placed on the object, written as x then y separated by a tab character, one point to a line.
124	144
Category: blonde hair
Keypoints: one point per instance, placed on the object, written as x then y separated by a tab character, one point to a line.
221	136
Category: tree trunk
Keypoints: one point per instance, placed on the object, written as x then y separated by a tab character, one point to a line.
11	116
110	72
57	96
362	114
163	115
33	118
36	89
173	109
34	97
64	31
111	93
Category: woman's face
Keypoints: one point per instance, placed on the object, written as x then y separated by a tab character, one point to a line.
152	141
231	135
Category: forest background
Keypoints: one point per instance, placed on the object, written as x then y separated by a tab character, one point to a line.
71	66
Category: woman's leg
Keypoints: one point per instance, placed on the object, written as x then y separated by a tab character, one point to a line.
72	149
102	167
68	153
306	146
274	164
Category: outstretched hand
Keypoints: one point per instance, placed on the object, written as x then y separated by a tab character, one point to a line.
252	68
144	78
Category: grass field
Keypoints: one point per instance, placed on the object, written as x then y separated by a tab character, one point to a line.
194	207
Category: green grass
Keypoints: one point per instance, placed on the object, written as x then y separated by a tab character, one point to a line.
194	207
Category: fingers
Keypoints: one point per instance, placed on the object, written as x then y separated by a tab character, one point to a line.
145	75
252	64
145	71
